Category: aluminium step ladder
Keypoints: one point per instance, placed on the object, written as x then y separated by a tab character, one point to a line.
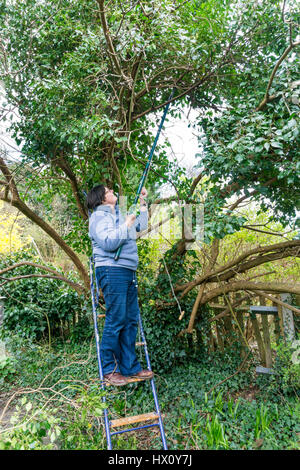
111	425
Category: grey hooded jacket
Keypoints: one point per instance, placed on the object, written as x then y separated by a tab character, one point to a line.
108	231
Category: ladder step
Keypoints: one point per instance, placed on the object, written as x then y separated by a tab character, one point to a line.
136	379
101	315
140	344
133	419
130	380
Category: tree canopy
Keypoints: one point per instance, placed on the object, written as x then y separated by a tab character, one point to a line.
88	79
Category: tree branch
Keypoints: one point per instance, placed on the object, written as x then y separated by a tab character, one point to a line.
110	45
28	263
15	201
177	97
265	100
230	269
54	235
80	289
227	309
9	179
277	301
156	226
56	275
252	286
63	164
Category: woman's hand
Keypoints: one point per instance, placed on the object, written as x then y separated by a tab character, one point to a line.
144	193
130	219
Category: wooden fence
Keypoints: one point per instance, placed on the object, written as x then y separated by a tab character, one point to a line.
256	320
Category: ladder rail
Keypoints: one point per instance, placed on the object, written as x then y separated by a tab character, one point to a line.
97	339
95	301
157	407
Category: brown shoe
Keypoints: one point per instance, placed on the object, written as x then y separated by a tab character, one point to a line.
115	378
144	374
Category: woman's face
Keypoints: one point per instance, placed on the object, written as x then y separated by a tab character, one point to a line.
110	198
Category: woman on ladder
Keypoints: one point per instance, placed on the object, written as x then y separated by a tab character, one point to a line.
108	231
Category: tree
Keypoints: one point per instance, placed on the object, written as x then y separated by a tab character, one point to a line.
88	79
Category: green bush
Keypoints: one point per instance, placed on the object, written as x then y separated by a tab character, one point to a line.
160	311
30	428
37	308
163	320
286	379
7	368
205	404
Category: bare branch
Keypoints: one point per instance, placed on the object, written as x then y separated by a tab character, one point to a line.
279	302
275	234
15	201
156	226
80	289
252	286
266	98
196	181
9	178
110	45
227	309
28	263
230	269
62	163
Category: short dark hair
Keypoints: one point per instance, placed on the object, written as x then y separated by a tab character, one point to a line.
95	197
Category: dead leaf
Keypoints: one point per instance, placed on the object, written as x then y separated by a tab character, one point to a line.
258	443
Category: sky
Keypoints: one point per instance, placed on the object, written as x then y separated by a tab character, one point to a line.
183	139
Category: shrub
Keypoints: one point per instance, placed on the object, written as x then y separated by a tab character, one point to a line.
38	308
160	311
7	368
287	368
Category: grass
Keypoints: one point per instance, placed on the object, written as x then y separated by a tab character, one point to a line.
54	402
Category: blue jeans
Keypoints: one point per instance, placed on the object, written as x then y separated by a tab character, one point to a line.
117	348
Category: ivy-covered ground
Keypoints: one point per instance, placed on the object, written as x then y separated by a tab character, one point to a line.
51	399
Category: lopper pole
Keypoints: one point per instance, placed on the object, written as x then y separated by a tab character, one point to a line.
147	168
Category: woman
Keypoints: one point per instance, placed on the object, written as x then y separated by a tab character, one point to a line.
108	231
